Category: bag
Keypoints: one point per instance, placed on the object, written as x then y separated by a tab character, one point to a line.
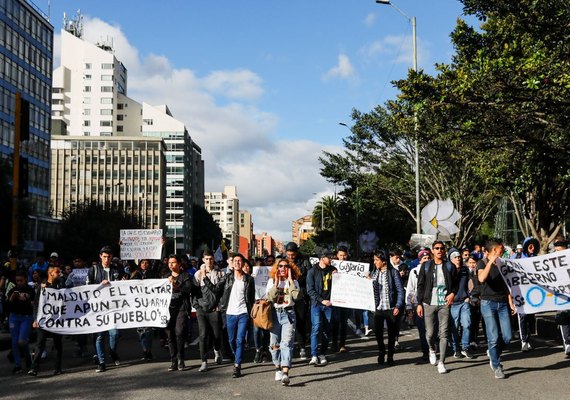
261	314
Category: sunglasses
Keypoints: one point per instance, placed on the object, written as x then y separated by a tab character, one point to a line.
439	248
283	265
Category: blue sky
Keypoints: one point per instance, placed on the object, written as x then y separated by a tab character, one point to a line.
263	84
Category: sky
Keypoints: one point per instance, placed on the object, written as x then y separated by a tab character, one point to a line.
263	84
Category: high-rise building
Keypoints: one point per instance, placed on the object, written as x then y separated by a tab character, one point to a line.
90	99
264	245
224	208
26	56
118	172
247	245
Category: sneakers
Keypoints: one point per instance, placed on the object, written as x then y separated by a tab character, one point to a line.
457	354
397	345
258	356
467	353
278	375
203	367
367	331
567	351
101	368
342	349
499	374
525	346
302	354
323	360
33	372
17	370
173	366
314	361
441	368
285	380
181	365
217	357
237	372
432	357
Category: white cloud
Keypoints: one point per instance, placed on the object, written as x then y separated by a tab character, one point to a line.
343	69
370	19
397	49
275	178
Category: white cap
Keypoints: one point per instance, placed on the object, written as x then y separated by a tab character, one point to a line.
54	254
519	246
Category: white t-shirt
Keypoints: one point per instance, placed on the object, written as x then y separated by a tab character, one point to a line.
284	298
236	303
438	291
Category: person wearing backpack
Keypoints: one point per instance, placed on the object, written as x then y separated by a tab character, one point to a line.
283	291
437	287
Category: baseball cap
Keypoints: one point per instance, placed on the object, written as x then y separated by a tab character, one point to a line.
54	254
291	246
326	253
454	254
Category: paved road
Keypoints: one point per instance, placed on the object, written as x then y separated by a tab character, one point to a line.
540	374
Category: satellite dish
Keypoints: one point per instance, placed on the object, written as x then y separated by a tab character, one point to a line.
439	218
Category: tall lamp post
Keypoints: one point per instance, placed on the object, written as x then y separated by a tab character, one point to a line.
412	21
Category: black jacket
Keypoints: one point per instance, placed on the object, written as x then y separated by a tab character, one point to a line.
96	274
425	280
224	288
180	299
205	297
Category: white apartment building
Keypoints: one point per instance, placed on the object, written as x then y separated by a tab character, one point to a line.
90	99
224	208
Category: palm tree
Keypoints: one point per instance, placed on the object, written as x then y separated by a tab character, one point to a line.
324	213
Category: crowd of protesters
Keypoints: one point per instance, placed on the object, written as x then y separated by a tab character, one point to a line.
446	294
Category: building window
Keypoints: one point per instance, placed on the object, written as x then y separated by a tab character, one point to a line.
87	77
105	123
87	100
120	106
87	88
107	77
86	111
107	66
106	100
119	117
106	111
88	66
147	121
86	123
119	128
107	89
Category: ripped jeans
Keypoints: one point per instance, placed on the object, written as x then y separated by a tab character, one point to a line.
282	337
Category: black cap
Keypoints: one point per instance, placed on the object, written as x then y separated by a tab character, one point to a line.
106	249
291	246
326	253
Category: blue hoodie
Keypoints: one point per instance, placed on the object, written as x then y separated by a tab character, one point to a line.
526	243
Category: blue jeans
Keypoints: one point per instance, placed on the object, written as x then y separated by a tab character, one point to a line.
282	337
20	330
100	346
495	314
321	324
461	314
364	318
237	328
145	337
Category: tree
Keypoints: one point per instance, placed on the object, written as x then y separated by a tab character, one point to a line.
378	161
325	208
86	227
206	230
505	97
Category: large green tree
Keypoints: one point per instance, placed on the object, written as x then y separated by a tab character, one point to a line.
206	231
505	96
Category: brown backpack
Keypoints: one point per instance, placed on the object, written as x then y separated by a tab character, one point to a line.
261	314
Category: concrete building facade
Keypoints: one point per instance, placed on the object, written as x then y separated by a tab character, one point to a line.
224	208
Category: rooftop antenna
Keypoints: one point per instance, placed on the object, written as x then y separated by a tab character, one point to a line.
75	26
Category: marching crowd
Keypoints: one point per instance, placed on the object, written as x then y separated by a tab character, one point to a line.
447	294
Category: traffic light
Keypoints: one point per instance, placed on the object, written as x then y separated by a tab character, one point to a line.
24	175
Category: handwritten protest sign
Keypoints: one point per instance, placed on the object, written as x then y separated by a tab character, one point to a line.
347	267
351	291
540	283
79	276
97	308
137	244
261	276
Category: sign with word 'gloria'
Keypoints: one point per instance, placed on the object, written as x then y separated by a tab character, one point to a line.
138	244
347	267
539	283
351	291
97	308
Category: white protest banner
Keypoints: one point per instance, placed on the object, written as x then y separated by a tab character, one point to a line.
351	291
352	268
539	283
96	308
261	276
137	244
79	276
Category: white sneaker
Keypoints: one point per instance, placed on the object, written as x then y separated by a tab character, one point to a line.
473	344
278	375
432	358
567	350
285	380
499	374
323	360
302	354
524	346
367	331
441	368
314	360
397	345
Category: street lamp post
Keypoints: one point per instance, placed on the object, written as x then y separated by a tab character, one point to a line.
412	21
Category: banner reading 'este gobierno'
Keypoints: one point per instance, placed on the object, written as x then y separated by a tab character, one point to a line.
97	308
539	283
